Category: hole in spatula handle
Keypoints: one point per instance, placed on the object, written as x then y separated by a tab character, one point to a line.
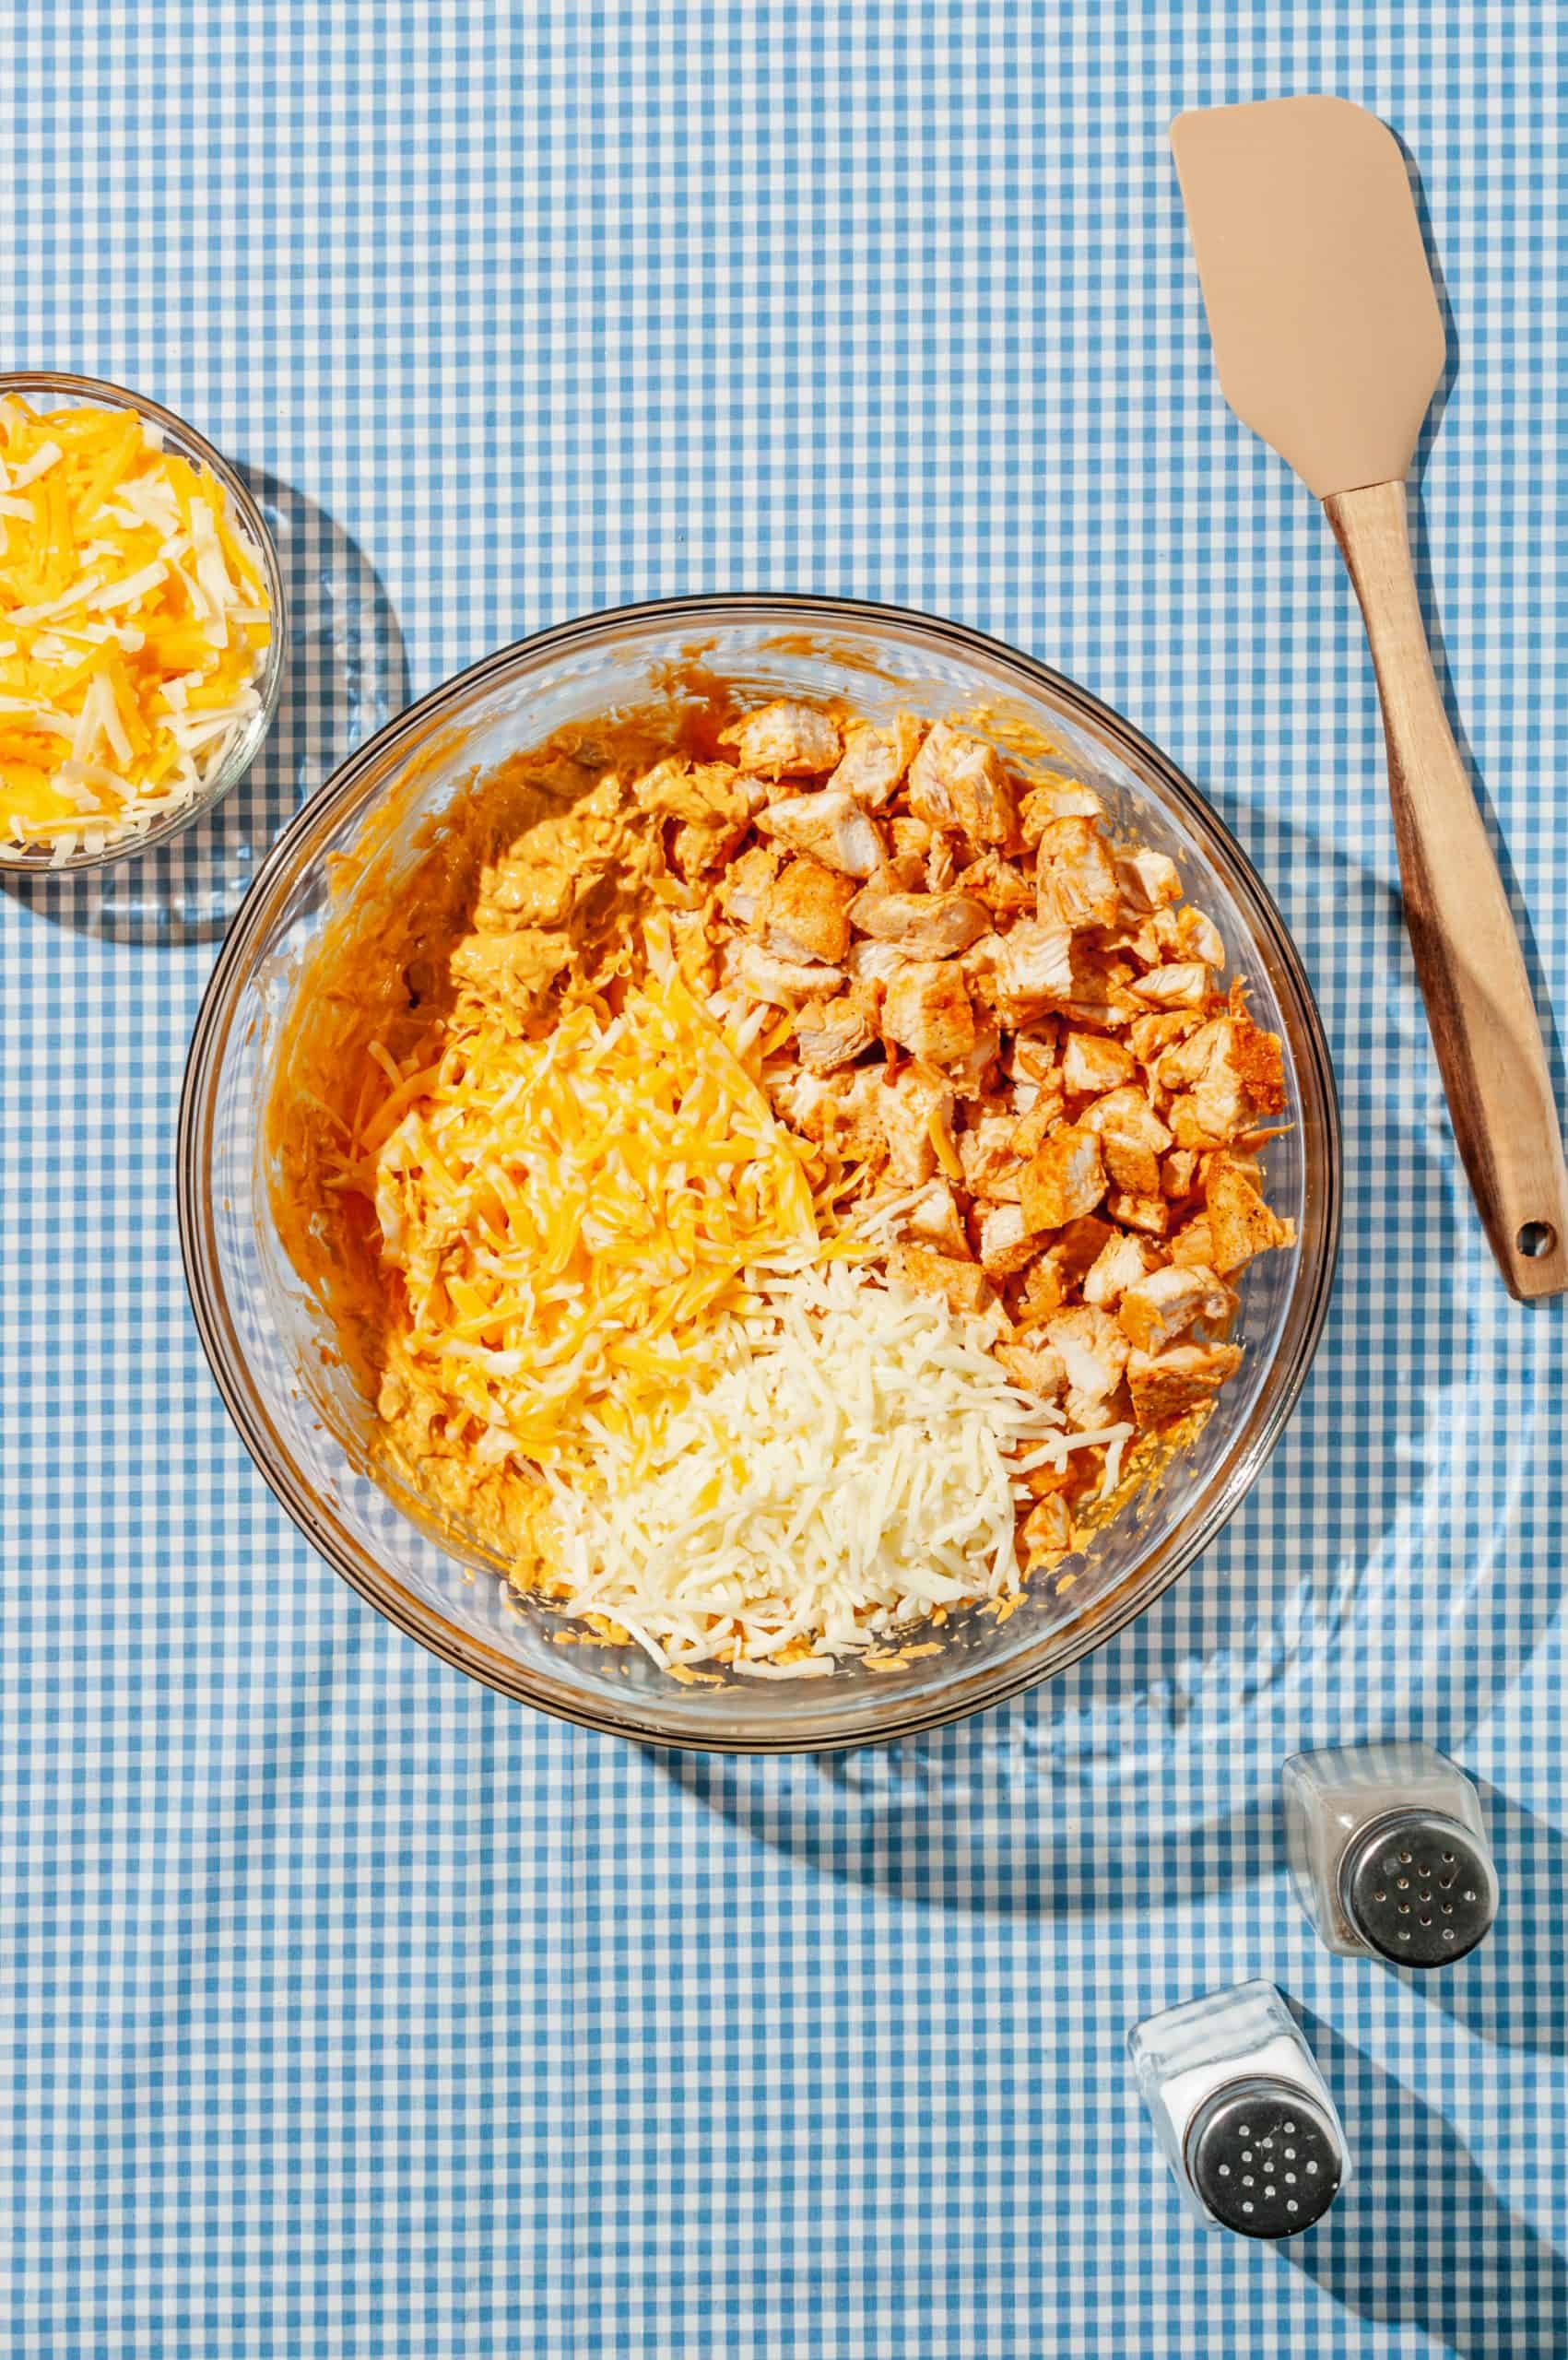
1536	1238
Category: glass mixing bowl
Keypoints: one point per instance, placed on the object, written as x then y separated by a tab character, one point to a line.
306	1430
52	389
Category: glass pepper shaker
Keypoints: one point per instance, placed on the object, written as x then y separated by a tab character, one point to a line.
1388	1852
1248	2127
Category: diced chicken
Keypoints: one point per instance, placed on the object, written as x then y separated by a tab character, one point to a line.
1004	888
806	1101
911	838
1035	1128
927	1010
1092	1064
1198	937
744	882
1193	1244
1095	1353
1132	1138
1034	1368
784	982
1033	1053
962	1285
1178	1174
1151	1214
1047	1531
1121	1263
832	1033
934	1221
1005	1246
875	760
1167	1384
923	925
1186	985
941	860
1055	798
1156	1309
1079	1246
972	1075
916	1117
1039	1291
783	739
958	781
1063	1178
804	913
1240	1224
1033	965
902	872
1151	1036
991	1166
1148	880
873	963
1077	880
830	825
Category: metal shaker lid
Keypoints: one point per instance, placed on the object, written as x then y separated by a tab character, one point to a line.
1263	2157
1419	1887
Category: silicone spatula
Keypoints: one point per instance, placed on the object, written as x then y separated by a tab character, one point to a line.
1329	345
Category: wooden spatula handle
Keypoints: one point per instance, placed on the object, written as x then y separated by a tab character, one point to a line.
1472	972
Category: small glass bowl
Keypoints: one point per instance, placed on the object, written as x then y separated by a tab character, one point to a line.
310	1433
48	389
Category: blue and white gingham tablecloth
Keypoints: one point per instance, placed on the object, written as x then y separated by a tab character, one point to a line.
347	2010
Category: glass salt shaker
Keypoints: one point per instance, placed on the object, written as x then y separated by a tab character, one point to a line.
1248	2127
1388	1852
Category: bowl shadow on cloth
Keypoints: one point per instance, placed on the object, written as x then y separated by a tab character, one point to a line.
1421	2239
346	676
1060	1801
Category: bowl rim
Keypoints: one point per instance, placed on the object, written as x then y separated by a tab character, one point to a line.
413	1616
56	381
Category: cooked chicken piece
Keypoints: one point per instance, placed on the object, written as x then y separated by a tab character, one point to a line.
934	1220
958	781
512	972
830	825
804	913
1047	1531
875	760
902	872
928	1011
962	1285
875	963
972	1076
1240	1224
695	955
1005	1246
1156	1309
1149	879
1038	1292
1033	965
1132	1137
1198	937
1095	1353
995	881
1063	1178
916	1116
806	1101
923	925
1034	1368
912	838
744	882
1187	984
706	799
1149	1037
992	1167
1092	1064
1151	1214
1035	1128
1166	1385
1033	1054
1120	1265
1055	799
1138	938
832	1033
782	982
783	739
1178	1174
1074	1254
1193	1246
1076	879
941	860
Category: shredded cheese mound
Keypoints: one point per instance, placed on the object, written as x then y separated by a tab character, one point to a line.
133	622
568	1217
855	1465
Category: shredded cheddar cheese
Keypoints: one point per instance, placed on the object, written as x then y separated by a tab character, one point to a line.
133	622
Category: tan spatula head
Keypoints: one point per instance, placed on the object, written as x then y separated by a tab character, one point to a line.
1329	344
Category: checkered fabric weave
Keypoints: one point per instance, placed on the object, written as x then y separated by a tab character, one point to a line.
347	2010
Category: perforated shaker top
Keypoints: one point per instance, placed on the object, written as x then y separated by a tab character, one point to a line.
1263	2157
1419	1887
